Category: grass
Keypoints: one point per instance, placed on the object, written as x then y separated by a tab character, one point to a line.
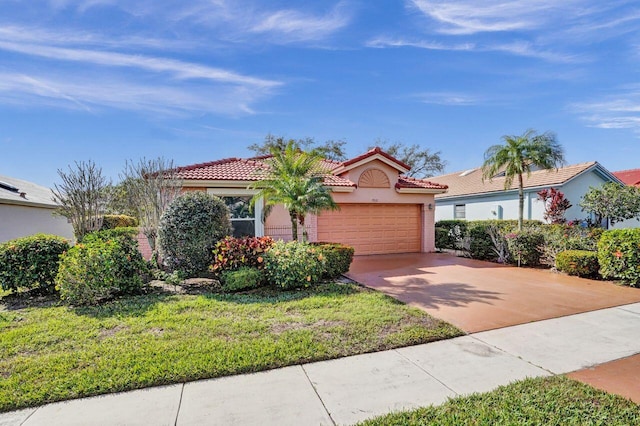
52	353
542	401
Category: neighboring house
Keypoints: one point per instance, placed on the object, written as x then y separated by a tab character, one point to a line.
632	178
27	209
472	198
629	177
381	211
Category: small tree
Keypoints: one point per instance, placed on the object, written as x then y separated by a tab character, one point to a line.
612	201
149	187
555	205
189	230
82	197
331	149
422	161
294	179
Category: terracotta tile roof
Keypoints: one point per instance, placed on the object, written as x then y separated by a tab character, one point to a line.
374	151
409	182
629	177
469	182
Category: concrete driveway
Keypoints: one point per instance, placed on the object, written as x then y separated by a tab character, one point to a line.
478	296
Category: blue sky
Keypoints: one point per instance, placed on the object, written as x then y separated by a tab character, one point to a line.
200	80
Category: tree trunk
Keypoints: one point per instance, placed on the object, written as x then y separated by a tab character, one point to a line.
520	201
294	226
305	237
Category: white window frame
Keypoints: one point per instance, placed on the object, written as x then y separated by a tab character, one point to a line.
243	192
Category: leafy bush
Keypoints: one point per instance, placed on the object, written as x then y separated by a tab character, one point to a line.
232	253
449	233
582	263
112	221
293	264
109	234
619	255
337	258
244	278
558	238
525	246
189	230
31	262
100	269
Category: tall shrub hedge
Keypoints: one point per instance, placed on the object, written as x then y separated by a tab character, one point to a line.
619	255
293	265
112	221
337	258
31	262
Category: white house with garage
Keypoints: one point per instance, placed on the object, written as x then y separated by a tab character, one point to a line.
26	209
472	198
381	210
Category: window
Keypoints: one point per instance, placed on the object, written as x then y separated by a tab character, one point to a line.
243	218
459	211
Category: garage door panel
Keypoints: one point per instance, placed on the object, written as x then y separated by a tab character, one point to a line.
373	228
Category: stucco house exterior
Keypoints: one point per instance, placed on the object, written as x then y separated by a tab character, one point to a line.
27	209
472	198
381	210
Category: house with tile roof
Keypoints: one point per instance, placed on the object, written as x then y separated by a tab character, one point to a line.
381	209
472	198
629	177
26	209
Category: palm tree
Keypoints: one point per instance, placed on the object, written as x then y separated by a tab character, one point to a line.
518	155
294	179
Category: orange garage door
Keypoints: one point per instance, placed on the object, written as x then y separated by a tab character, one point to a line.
373	228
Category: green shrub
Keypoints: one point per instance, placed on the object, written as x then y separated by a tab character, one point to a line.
619	255
449	233
525	246
244	278
337	258
113	221
293	264
100	269
558	238
109	234
582	263
232	253
189	230
31	262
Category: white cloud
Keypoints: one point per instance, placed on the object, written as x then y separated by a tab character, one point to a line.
617	111
448	98
382	42
89	94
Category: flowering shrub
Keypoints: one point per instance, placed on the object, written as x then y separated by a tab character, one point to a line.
293	264
582	263
555	205
232	253
524	246
31	262
98	270
558	238
619	255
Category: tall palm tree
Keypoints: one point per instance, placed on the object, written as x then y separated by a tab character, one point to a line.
518	155
294	179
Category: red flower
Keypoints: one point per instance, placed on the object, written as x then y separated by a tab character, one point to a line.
618	254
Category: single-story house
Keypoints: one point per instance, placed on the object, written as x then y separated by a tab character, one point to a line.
381	210
472	198
27	209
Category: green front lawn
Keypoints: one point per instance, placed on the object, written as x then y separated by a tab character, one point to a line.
52	353
541	401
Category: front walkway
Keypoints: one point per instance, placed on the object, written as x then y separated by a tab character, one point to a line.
347	390
478	296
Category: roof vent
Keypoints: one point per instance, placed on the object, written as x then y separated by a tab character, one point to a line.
8	186
467	172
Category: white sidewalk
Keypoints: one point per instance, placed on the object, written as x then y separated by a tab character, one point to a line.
347	390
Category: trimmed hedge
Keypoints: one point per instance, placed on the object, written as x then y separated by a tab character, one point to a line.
525	246
449	233
100	269
112	221
582	263
619	255
232	253
293	264
244	278
109	234
31	262
337	258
